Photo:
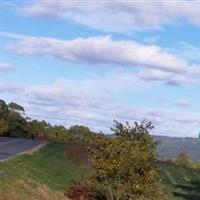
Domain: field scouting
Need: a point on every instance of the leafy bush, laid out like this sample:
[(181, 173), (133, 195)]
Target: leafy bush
[(124, 166), (82, 192), (182, 159)]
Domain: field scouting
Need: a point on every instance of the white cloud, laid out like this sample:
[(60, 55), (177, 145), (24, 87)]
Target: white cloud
[(182, 102), (119, 15), (190, 77), (157, 64), (101, 50), (110, 84), (12, 35), (65, 102), (9, 88), (101, 87), (156, 75), (6, 66)]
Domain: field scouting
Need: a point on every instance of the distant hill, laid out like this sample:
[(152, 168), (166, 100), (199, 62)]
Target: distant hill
[(172, 146)]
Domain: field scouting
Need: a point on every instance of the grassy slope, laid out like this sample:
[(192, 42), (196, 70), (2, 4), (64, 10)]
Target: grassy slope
[(47, 173), (183, 182), (44, 175)]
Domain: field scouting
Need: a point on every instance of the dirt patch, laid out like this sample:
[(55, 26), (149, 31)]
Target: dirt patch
[(8, 197), (27, 192), (45, 193), (77, 152)]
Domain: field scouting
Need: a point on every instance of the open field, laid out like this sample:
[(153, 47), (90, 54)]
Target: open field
[(47, 173)]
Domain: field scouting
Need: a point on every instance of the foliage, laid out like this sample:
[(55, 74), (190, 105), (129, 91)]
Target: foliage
[(80, 133), (182, 159), (15, 107), (124, 167), (4, 109), (49, 171), (36, 129), (80, 191), (13, 123), (183, 182), (3, 127)]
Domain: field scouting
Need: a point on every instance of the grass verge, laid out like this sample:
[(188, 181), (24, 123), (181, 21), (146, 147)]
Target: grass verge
[(182, 182), (44, 174)]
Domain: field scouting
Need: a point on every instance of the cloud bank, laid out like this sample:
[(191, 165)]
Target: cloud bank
[(57, 104), (153, 62), (119, 15)]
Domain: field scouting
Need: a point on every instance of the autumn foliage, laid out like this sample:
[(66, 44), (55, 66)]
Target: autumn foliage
[(124, 166), (82, 192)]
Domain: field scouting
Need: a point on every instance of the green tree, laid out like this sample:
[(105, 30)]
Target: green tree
[(3, 127), (12, 123), (37, 129), (15, 107), (124, 166), (79, 132), (4, 109), (16, 125), (57, 133)]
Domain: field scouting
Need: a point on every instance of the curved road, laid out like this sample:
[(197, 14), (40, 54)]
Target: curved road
[(10, 147)]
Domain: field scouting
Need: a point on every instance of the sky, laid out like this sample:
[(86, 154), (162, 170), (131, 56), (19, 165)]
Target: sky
[(92, 62)]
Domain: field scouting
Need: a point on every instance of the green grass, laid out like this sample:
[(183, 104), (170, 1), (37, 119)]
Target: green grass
[(182, 182), (48, 172), (49, 167)]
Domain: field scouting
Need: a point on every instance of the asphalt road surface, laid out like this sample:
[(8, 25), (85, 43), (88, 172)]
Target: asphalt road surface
[(10, 147)]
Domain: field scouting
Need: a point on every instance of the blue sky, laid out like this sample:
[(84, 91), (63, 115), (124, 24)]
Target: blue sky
[(90, 62)]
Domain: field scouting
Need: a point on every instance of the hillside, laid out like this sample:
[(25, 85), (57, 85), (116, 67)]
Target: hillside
[(47, 173), (183, 182), (171, 146), (42, 175)]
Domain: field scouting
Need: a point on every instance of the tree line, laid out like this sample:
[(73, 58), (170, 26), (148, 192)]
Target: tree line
[(14, 123)]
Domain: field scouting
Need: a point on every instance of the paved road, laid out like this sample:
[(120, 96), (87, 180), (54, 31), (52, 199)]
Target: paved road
[(13, 146)]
